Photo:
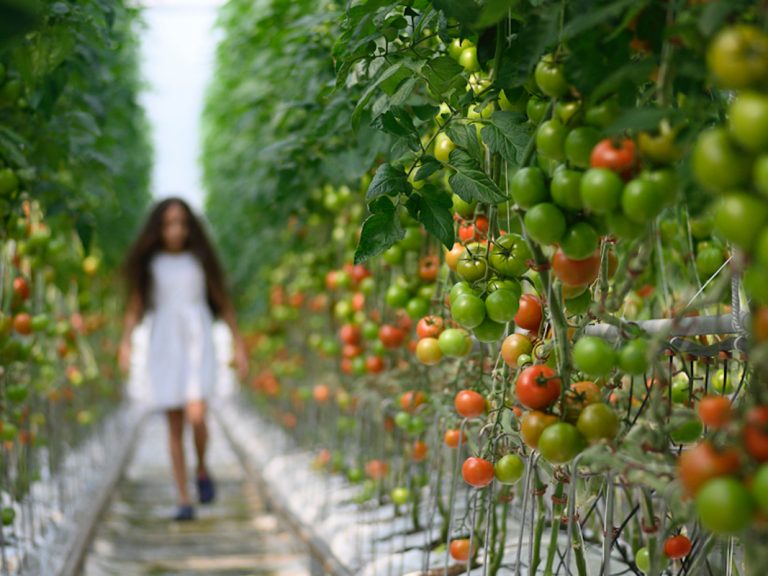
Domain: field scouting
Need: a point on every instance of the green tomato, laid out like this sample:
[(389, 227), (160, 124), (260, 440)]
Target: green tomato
[(621, 226), (417, 307), (550, 77), (536, 108), (528, 187), (579, 144), (568, 112), (501, 305), (667, 181), (760, 174), (760, 488), (461, 288), (633, 357), (709, 260), (510, 255), (740, 217), (642, 200), (509, 469), (7, 516), (515, 101), (397, 296), (687, 432), (580, 241), (565, 188), (400, 496), (718, 163), (748, 121), (579, 304), (443, 147), (455, 342), (603, 114), (413, 239), (560, 443), (468, 310), (720, 384), (598, 422), (601, 190), (402, 420), (468, 59), (457, 46), (489, 331), (545, 223), (738, 56), (725, 506), (643, 560), (8, 181), (394, 255), (550, 139), (471, 267), (594, 356), (462, 208)]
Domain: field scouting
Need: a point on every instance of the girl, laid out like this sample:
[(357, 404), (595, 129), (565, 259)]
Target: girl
[(172, 271)]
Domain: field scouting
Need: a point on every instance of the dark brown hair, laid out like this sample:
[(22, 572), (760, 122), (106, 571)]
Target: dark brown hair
[(150, 241)]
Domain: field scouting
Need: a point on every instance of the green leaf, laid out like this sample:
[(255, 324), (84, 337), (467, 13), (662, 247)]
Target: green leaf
[(465, 11), (465, 136), (530, 41), (444, 75), (432, 207), (494, 10), (429, 165), (389, 180), (373, 87), (470, 182), (508, 135), (590, 19), (380, 231), (395, 121)]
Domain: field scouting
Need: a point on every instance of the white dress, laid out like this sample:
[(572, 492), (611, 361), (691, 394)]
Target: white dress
[(181, 360)]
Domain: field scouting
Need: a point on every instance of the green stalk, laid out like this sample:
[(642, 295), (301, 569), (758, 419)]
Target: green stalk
[(557, 512), (541, 517), (499, 553)]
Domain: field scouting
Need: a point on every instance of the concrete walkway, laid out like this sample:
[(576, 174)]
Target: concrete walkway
[(236, 535)]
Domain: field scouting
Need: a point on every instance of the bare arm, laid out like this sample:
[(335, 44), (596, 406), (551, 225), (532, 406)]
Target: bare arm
[(133, 313), (241, 351)]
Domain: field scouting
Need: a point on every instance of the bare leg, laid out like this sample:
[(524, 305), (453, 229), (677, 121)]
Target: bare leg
[(176, 432), (196, 413)]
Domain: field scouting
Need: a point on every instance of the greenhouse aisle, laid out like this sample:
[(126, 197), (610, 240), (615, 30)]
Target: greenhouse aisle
[(236, 535)]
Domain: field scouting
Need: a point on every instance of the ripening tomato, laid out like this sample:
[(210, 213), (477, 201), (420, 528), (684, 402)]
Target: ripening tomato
[(22, 323), (411, 400), (477, 472), (598, 422), (453, 437), (21, 287), (738, 56), (469, 404), (702, 463), (460, 550), (561, 442), (677, 547), (452, 256), (529, 313), (538, 387), (419, 451), (374, 364), (513, 346), (578, 396), (350, 334), (428, 351), (376, 469), (576, 272), (714, 411), (618, 156)]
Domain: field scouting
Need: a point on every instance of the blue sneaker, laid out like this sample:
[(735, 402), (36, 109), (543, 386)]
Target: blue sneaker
[(206, 489), (185, 513)]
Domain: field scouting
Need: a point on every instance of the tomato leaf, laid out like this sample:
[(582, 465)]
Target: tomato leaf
[(434, 210), (443, 74), (529, 41), (388, 74), (494, 10), (642, 119), (389, 180), (465, 136), (470, 182), (429, 165), (380, 231), (589, 19), (507, 134)]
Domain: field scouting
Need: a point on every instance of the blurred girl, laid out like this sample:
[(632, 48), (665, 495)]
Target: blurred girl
[(172, 271)]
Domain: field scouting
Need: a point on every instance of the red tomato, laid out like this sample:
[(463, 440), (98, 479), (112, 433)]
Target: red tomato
[(702, 463), (756, 433), (374, 364), (469, 404), (529, 313), (538, 387), (350, 334), (376, 469), (429, 266), (460, 550), (429, 327), (715, 411), (411, 400), (419, 451), (452, 437), (477, 472), (22, 323), (677, 547), (21, 287), (359, 272), (391, 336), (618, 156), (576, 272), (351, 351)]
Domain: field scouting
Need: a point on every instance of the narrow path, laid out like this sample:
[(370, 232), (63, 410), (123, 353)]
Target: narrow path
[(235, 535)]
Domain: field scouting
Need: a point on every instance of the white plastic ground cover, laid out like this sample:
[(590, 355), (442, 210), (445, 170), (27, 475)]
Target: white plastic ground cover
[(367, 539), (50, 520)]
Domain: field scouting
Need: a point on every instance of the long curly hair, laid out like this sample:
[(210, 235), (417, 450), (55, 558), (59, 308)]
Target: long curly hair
[(136, 270)]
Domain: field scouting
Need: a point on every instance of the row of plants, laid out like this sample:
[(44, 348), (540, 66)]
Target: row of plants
[(74, 183), (458, 214)]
